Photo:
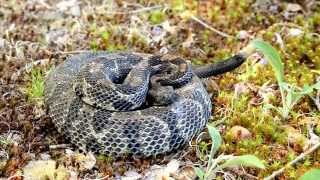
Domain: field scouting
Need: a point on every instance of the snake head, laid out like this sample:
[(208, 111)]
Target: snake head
[(162, 95), (177, 73)]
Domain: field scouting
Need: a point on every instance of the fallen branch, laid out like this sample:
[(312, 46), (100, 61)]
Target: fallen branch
[(297, 159), (144, 9), (243, 172), (316, 100), (59, 146), (72, 52), (17, 177), (211, 28), (29, 66)]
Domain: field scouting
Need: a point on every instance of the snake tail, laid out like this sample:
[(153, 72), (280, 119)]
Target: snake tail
[(219, 67)]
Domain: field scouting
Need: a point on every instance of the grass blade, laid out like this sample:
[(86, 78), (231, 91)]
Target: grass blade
[(216, 139), (199, 172), (313, 174), (245, 160), (272, 56)]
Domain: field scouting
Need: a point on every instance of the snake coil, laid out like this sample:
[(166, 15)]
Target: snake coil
[(130, 103)]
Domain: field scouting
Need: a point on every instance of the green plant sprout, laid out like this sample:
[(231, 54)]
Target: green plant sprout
[(35, 89), (290, 94), (217, 165)]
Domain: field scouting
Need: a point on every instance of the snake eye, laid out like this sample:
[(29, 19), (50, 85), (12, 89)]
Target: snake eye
[(158, 80), (77, 90)]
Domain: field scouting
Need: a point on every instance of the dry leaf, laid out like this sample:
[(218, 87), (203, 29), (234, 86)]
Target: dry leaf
[(189, 41), (291, 7), (240, 133), (43, 170)]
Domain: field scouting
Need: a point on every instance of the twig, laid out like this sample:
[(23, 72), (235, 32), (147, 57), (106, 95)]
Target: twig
[(4, 154), (292, 25), (17, 177), (29, 66), (243, 172), (316, 100), (287, 24), (71, 52), (46, 5), (314, 139), (297, 159), (198, 139), (59, 146), (211, 28), (248, 50), (144, 9)]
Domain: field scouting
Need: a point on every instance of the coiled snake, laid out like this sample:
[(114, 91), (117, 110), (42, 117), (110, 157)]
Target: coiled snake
[(130, 103)]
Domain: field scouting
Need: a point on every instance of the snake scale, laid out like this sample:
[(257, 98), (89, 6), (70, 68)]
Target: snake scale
[(125, 103)]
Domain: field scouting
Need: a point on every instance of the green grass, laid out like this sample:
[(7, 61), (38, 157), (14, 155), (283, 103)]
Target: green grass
[(290, 94), (35, 87), (215, 165)]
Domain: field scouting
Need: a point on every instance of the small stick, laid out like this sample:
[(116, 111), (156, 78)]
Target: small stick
[(211, 28), (248, 50), (297, 159), (244, 173), (72, 52), (316, 100), (36, 62), (59, 146), (144, 9)]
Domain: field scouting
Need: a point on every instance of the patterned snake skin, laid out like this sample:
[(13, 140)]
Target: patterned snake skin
[(130, 103)]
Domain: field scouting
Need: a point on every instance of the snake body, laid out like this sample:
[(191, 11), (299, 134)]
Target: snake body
[(129, 103)]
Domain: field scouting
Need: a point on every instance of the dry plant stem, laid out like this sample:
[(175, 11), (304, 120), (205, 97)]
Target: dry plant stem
[(16, 177), (29, 66), (248, 50), (59, 146), (317, 100), (297, 159), (144, 9), (242, 172), (72, 52), (287, 24), (210, 27), (313, 137)]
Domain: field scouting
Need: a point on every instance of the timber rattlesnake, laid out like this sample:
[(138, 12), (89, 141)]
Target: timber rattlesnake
[(130, 103)]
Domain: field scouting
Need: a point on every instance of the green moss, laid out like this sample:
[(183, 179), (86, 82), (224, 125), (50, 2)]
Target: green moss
[(204, 148), (157, 17), (94, 45), (275, 165), (105, 159), (105, 35), (116, 47), (240, 104), (178, 5), (197, 61), (250, 145)]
